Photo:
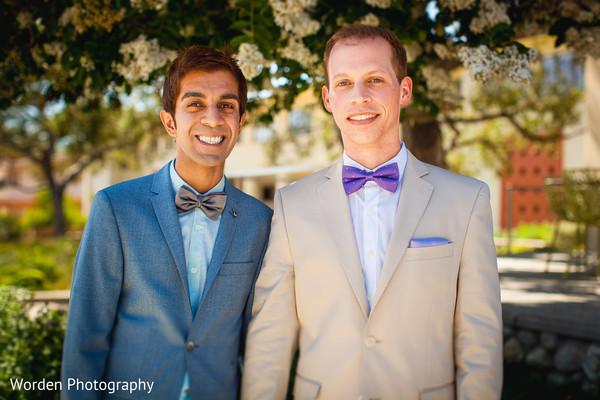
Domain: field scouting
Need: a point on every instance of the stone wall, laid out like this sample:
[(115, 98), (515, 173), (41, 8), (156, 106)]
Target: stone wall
[(562, 359)]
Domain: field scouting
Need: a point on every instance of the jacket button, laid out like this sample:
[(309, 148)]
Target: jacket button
[(190, 346), (370, 341)]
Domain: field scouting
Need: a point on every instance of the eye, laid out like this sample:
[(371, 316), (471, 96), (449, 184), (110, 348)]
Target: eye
[(376, 80), (342, 83), (194, 104)]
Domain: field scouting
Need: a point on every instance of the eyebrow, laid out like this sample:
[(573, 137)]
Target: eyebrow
[(225, 96)]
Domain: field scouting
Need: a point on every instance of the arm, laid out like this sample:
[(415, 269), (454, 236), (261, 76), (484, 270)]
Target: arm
[(273, 329), (478, 319), (95, 290)]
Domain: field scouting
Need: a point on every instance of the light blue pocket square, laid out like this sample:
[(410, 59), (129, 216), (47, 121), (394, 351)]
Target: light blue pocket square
[(428, 242)]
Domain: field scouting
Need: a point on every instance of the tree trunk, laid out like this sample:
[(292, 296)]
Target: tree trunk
[(60, 223), (423, 137), (57, 192)]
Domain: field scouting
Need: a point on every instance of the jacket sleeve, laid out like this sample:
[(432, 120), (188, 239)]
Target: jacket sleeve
[(273, 330), (95, 290), (478, 319)]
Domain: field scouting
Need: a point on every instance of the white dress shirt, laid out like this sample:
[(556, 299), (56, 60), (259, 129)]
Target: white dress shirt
[(373, 211)]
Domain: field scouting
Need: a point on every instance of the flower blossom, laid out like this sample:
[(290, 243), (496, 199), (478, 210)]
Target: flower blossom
[(291, 16), (297, 50), (491, 13), (250, 60), (379, 3), (584, 41), (141, 57), (369, 19), (457, 5), (485, 64)]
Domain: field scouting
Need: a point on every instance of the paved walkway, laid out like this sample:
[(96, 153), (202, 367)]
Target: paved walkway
[(535, 299)]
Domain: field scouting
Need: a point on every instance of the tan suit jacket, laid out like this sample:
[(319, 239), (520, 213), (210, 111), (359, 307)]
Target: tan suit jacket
[(435, 328)]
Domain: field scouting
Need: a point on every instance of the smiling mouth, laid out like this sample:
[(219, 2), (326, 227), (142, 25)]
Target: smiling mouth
[(362, 117), (211, 139)]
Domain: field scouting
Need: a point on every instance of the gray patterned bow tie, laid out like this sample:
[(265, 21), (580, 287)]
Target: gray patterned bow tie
[(212, 204)]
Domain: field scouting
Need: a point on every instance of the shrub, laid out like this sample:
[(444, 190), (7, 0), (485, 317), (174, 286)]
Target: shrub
[(40, 265), (42, 213), (30, 344), (10, 228)]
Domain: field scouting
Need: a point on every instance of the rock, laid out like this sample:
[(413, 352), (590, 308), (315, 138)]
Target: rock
[(539, 357), (591, 363), (527, 338), (569, 357), (549, 341), (513, 351), (557, 379)]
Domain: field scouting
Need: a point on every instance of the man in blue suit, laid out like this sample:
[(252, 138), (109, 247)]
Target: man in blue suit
[(163, 281)]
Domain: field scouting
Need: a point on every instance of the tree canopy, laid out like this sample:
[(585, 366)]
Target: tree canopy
[(83, 47)]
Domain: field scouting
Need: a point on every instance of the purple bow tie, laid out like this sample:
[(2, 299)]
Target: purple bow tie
[(386, 177)]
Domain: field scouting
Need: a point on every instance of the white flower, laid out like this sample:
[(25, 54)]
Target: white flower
[(442, 51), (304, 26), (379, 3), (55, 49), (250, 60), (148, 4), (25, 20), (369, 19), (413, 50), (490, 14), (585, 41), (291, 16), (296, 50), (485, 64), (457, 5), (141, 57)]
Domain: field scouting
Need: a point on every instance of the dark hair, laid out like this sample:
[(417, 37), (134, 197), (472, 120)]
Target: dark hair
[(351, 33), (201, 58)]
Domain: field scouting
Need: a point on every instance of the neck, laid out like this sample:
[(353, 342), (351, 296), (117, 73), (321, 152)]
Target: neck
[(372, 158), (201, 178)]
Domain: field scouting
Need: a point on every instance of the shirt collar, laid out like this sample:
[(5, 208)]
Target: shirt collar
[(177, 181), (400, 158)]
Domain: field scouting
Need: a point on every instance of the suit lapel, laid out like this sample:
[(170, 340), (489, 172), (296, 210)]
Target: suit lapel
[(163, 202), (336, 211), (413, 201), (224, 237)]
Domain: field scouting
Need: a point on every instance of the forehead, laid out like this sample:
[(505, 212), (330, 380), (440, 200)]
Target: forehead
[(354, 53), (213, 83)]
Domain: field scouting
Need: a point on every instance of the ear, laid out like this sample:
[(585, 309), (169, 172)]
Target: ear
[(325, 95), (169, 123), (242, 120), (405, 90)]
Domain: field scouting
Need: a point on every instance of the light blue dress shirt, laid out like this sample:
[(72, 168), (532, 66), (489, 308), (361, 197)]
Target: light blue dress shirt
[(373, 211), (199, 233)]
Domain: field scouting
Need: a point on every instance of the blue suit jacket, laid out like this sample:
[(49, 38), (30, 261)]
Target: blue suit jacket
[(130, 317)]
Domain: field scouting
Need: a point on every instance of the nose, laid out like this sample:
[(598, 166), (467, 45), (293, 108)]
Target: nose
[(360, 94), (212, 117)]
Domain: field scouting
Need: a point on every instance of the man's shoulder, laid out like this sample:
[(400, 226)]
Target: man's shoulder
[(437, 175), (129, 187), (311, 181)]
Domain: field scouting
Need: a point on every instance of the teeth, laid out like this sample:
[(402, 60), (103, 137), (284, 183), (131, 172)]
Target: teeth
[(362, 117), (211, 139)]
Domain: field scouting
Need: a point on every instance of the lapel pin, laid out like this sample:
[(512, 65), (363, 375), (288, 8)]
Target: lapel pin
[(235, 214)]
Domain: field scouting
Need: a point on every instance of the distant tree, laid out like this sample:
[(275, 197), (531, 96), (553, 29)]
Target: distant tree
[(91, 46), (64, 139)]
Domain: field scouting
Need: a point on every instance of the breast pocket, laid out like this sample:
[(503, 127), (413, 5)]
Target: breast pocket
[(429, 253), (231, 287)]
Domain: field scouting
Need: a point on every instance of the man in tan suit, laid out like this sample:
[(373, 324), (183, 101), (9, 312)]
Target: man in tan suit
[(388, 290)]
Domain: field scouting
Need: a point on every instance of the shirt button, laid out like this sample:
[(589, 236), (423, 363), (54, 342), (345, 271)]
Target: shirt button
[(370, 341), (198, 227), (194, 270), (370, 210), (190, 346), (370, 297), (371, 253)]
